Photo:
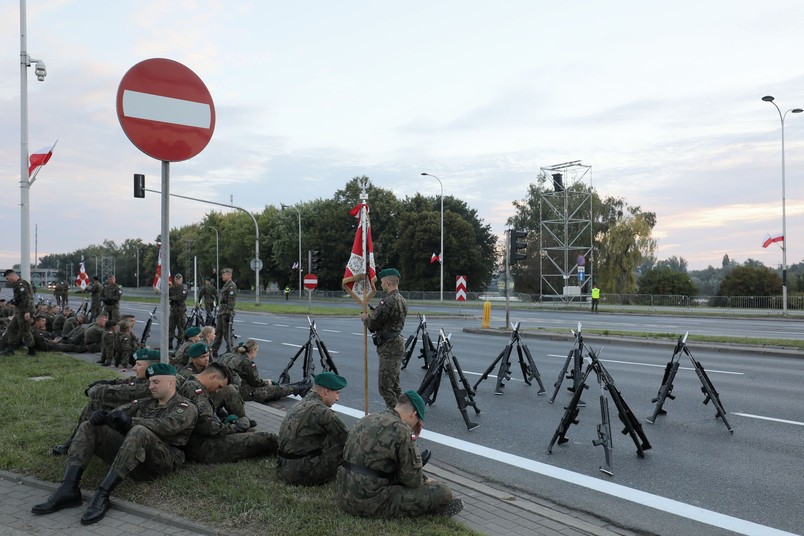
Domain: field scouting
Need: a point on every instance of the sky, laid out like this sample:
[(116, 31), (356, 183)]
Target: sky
[(662, 100)]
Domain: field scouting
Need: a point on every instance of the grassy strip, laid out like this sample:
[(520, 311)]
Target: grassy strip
[(748, 341), (240, 498)]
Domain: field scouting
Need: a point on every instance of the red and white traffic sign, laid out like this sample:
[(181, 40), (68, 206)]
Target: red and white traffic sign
[(165, 110), (310, 281), (460, 288)]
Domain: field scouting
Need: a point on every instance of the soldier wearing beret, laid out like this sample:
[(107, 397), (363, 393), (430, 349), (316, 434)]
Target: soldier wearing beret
[(18, 332), (215, 440), (93, 335), (192, 335), (312, 436), (143, 439), (198, 356), (226, 310), (386, 323), (381, 474), (227, 399), (110, 296), (178, 310)]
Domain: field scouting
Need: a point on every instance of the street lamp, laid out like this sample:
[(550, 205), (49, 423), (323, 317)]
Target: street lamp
[(217, 259), (25, 184), (782, 116), (300, 264), (441, 253)]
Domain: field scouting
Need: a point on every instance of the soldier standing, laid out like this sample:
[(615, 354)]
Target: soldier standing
[(143, 439), (207, 296), (110, 296), (57, 294), (381, 474), (19, 328), (178, 310), (386, 322), (312, 436), (95, 290), (226, 311)]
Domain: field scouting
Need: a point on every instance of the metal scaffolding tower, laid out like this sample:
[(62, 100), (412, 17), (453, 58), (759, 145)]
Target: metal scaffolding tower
[(565, 232), (107, 268)]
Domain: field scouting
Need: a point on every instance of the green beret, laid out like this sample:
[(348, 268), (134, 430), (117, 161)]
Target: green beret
[(388, 271), (417, 402), (192, 331), (197, 350), (155, 354), (144, 354), (330, 380), (160, 369)]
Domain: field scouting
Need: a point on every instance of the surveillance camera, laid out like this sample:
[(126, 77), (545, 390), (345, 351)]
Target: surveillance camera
[(41, 71)]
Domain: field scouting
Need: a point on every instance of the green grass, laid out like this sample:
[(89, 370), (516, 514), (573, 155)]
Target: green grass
[(239, 498)]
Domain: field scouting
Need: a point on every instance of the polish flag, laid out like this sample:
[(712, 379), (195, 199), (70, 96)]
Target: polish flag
[(361, 260), (295, 266), (39, 158), (435, 258), (771, 239), (158, 277), (83, 279)]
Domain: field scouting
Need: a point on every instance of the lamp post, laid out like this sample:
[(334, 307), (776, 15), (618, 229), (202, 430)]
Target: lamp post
[(300, 260), (217, 258), (25, 183), (441, 253), (782, 116)]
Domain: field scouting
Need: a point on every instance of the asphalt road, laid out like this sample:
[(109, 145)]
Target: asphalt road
[(750, 481)]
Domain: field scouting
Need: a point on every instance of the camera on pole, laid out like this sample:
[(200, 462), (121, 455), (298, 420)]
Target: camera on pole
[(515, 246)]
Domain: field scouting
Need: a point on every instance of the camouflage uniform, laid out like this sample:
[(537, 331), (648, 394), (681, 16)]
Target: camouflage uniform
[(311, 441), (181, 357), (207, 295), (125, 345), (386, 323), (43, 344), (252, 387), (93, 338), (228, 397), (178, 312), (110, 295), (58, 323), (225, 318), (153, 445), (382, 471), (108, 346), (215, 442), (19, 330), (69, 325), (95, 290)]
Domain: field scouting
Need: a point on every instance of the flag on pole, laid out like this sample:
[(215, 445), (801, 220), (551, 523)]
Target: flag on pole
[(83, 279), (435, 258), (158, 276), (355, 282), (771, 239), (295, 266), (39, 158)]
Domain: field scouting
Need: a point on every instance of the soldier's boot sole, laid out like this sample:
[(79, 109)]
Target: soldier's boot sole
[(454, 507)]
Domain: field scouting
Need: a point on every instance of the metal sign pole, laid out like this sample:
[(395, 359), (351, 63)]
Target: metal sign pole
[(164, 289)]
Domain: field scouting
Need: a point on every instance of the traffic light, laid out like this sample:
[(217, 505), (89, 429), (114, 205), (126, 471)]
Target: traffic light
[(315, 259), (514, 246), (139, 185)]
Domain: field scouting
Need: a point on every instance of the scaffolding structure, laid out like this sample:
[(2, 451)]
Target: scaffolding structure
[(107, 268), (566, 232)]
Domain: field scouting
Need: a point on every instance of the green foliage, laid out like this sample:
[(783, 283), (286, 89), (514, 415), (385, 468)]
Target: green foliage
[(666, 281), (751, 280)]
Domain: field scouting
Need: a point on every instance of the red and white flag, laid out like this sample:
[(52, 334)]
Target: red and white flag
[(295, 266), (83, 279), (355, 282), (771, 239), (158, 277), (435, 258), (39, 158)]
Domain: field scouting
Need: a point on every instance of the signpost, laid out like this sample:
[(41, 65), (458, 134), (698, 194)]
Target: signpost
[(460, 288), (310, 283), (167, 112)]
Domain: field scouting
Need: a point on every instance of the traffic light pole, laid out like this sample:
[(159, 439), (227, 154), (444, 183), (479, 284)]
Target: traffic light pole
[(507, 279)]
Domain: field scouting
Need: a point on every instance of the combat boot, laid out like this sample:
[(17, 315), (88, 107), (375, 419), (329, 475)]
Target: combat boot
[(100, 502), (301, 388), (31, 350), (451, 508), (64, 448), (68, 494)]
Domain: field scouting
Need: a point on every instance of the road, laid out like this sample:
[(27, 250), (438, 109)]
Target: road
[(697, 477)]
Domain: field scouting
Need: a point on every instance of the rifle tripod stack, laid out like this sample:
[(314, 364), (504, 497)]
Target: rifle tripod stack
[(427, 351), (574, 357), (146, 331), (446, 361), (529, 370), (308, 367), (707, 388), (632, 427)]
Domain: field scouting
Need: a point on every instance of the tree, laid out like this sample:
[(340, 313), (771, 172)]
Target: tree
[(751, 281), (666, 281), (677, 264)]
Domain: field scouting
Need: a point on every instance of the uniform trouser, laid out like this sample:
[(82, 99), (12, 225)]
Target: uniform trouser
[(94, 310), (177, 323), (208, 306), (19, 331), (264, 393), (232, 447), (388, 501), (112, 311), (140, 453), (311, 470), (223, 332), (390, 353)]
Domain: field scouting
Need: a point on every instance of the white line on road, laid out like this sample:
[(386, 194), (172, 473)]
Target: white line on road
[(282, 325), (291, 344), (261, 340), (331, 330), (696, 513), (653, 365), (785, 421), (261, 323)]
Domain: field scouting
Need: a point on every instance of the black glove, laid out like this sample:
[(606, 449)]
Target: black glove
[(99, 417), (120, 421), (241, 425)]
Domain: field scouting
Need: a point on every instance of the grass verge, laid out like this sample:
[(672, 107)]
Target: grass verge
[(42, 396)]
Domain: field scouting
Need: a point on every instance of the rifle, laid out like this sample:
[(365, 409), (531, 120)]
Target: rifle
[(604, 438), (194, 319), (82, 309), (146, 332), (666, 389)]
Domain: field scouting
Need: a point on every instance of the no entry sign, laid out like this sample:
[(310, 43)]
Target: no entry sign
[(165, 110), (310, 281)]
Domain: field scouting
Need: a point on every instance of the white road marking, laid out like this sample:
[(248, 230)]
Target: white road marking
[(282, 325), (785, 421), (261, 340), (657, 366), (331, 330), (291, 344), (261, 323), (696, 513)]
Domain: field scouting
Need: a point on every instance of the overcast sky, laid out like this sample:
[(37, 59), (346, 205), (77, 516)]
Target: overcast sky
[(661, 99)]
